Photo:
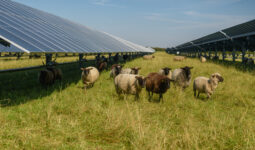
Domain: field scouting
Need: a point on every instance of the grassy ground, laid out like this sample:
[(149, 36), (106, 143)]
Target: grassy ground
[(64, 117)]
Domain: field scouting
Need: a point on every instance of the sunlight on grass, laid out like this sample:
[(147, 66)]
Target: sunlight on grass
[(69, 118)]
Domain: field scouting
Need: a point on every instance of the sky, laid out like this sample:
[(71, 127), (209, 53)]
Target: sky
[(156, 23)]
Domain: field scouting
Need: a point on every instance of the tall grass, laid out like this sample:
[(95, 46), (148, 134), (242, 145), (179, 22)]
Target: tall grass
[(65, 117)]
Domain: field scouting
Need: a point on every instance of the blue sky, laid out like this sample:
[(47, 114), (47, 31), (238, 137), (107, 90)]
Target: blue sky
[(163, 23)]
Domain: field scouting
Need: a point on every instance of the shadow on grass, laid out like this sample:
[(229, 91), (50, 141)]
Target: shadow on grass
[(20, 87), (237, 65)]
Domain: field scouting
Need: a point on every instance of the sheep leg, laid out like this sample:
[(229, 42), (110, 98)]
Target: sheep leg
[(198, 94), (195, 93), (149, 94), (160, 97)]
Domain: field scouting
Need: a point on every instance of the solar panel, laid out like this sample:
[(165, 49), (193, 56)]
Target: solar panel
[(32, 30), (241, 30)]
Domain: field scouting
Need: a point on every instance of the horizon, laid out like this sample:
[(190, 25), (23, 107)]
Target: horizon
[(152, 23)]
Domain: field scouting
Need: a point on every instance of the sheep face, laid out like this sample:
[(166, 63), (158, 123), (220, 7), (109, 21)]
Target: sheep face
[(187, 71), (141, 81), (117, 69), (218, 77), (86, 71), (135, 70), (166, 70), (165, 83)]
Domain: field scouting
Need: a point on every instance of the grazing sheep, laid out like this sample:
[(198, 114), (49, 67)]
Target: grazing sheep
[(116, 69), (166, 71), (129, 84), (56, 72), (102, 65), (134, 70), (179, 58), (89, 76), (202, 59), (157, 83), (182, 77), (206, 85), (46, 77), (148, 57)]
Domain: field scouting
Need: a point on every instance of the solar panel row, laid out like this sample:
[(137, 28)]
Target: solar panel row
[(32, 30), (241, 30)]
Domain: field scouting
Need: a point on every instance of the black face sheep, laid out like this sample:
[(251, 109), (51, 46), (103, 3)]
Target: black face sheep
[(102, 65), (156, 83), (129, 84), (166, 71), (133, 70), (182, 77), (89, 76), (46, 77), (206, 85), (116, 69)]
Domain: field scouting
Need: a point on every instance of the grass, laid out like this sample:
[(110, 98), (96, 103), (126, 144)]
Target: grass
[(65, 117)]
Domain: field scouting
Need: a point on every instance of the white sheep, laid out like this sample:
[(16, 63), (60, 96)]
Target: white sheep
[(166, 71), (89, 76), (134, 70), (202, 59), (129, 84), (206, 85)]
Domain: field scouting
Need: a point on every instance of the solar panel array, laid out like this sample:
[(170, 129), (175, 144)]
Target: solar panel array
[(241, 30), (32, 30)]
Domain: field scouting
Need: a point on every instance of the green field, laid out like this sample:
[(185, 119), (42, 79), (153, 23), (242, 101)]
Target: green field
[(65, 117)]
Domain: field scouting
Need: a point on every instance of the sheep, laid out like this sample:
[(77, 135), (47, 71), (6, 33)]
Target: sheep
[(49, 75), (46, 77), (116, 69), (207, 85), (179, 58), (202, 59), (166, 71), (248, 61), (129, 84), (89, 76), (58, 75), (134, 70), (101, 65), (182, 77), (148, 57), (157, 83)]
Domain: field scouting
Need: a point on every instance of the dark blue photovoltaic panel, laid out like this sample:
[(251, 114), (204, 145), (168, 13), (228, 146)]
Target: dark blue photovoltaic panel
[(241, 30), (32, 30)]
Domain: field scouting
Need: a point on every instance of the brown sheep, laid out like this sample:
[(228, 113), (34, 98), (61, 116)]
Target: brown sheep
[(46, 77), (156, 83), (56, 72), (102, 65)]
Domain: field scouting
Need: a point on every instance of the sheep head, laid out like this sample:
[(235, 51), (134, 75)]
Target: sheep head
[(187, 71), (86, 70), (135, 70), (166, 70), (141, 81), (217, 76)]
